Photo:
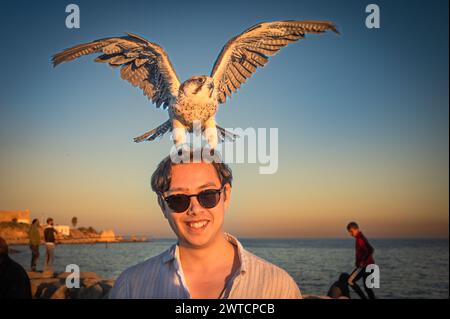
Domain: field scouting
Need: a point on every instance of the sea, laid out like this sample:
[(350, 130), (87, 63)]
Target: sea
[(408, 268)]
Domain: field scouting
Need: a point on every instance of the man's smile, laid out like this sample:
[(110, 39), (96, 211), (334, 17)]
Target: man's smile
[(197, 225)]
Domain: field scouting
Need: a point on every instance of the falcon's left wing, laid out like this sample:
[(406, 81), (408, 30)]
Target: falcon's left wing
[(243, 54)]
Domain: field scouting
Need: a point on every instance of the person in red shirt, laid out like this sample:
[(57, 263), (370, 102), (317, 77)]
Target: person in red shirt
[(364, 258)]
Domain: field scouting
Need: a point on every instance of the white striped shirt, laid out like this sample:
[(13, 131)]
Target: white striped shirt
[(162, 277)]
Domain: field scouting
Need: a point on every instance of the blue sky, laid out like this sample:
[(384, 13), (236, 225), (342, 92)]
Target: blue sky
[(362, 117)]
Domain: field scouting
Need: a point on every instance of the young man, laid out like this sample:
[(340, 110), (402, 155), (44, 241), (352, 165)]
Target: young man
[(50, 242), (206, 262), (364, 257), (35, 241)]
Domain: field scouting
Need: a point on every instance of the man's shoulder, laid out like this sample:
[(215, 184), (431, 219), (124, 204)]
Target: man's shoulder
[(271, 277), (362, 236), (134, 282)]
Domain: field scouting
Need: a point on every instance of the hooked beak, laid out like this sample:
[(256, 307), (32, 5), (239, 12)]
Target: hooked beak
[(211, 88)]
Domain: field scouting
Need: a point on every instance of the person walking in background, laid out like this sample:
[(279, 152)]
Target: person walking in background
[(50, 241), (14, 281), (35, 241), (364, 258)]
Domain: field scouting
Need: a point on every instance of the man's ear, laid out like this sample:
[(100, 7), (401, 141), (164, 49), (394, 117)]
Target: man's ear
[(162, 205), (227, 195)]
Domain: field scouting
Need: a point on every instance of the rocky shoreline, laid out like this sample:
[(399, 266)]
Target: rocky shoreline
[(17, 234), (49, 285)]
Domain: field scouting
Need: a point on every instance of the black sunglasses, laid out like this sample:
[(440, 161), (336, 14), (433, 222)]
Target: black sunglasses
[(179, 203)]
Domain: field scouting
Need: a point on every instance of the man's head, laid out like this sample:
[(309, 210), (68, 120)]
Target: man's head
[(50, 221), (35, 222), (202, 220), (353, 229)]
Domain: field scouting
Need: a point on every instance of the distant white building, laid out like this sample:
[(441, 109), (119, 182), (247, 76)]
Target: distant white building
[(108, 235), (63, 229)]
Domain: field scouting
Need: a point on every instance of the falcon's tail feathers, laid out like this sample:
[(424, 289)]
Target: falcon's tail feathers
[(158, 131), (226, 135)]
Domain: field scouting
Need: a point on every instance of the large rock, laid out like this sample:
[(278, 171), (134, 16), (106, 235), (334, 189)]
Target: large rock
[(60, 293), (90, 275), (38, 285), (106, 286), (89, 282), (40, 274), (92, 286), (46, 290), (94, 292), (83, 275)]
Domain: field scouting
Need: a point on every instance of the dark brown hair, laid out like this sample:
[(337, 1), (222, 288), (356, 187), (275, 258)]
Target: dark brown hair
[(352, 225), (162, 176)]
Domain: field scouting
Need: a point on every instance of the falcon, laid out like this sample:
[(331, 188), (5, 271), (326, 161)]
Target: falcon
[(196, 100)]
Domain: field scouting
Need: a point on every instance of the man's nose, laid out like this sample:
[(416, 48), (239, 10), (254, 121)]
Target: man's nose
[(194, 207)]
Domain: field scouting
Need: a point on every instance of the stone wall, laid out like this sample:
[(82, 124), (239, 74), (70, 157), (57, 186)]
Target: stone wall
[(21, 216)]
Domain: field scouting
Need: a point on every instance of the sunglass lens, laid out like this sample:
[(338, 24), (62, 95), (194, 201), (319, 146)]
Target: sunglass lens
[(209, 198), (178, 203)]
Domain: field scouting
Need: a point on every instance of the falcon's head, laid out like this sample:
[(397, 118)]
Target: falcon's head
[(199, 88)]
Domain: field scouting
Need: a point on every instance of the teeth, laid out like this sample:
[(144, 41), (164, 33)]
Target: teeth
[(198, 224)]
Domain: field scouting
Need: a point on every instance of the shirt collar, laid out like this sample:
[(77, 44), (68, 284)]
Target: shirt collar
[(242, 253), (169, 254), (173, 253)]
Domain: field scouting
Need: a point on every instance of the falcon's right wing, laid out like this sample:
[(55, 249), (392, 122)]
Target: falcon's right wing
[(144, 64)]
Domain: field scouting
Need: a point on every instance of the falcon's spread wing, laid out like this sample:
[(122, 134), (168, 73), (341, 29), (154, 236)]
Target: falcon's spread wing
[(144, 64), (241, 56)]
